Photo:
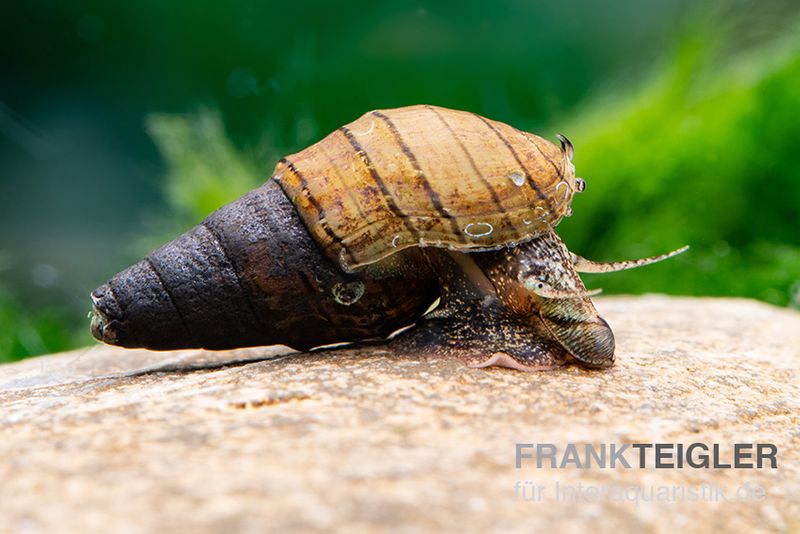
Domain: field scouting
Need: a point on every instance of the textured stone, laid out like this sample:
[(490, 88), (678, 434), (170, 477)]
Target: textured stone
[(108, 439)]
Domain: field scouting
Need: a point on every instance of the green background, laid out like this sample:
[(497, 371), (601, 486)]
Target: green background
[(123, 124)]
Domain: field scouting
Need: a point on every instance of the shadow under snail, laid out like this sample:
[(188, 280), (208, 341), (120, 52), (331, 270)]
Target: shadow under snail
[(359, 234)]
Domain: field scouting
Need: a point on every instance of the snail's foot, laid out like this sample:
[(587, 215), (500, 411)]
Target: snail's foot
[(481, 338)]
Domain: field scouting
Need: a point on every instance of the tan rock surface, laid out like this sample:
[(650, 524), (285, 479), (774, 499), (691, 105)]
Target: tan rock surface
[(130, 441)]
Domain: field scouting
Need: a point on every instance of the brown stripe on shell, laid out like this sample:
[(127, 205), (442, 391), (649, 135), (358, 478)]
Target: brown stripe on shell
[(426, 185), (528, 177), (496, 199), (559, 170), (359, 150), (322, 222), (348, 190)]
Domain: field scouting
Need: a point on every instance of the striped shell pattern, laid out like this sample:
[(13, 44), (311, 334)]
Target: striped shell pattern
[(426, 176)]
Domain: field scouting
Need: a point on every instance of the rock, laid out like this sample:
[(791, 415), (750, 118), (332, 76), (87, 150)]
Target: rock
[(360, 439)]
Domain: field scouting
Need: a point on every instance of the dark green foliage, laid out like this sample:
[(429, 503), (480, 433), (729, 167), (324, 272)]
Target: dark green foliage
[(705, 154), (27, 332)]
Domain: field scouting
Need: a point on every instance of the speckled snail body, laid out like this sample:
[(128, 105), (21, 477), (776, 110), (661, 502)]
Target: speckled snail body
[(358, 234)]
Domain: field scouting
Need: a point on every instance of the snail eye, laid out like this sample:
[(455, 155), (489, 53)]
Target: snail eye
[(535, 283), (580, 184)]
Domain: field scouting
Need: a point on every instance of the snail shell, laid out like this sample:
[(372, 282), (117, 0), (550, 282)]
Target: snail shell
[(426, 176)]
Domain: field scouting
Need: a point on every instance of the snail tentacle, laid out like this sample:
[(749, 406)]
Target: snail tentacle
[(583, 265)]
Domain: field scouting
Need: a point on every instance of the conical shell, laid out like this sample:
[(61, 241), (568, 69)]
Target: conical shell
[(426, 176)]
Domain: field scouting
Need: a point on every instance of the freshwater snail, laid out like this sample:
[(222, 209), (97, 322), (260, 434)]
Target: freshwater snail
[(357, 235)]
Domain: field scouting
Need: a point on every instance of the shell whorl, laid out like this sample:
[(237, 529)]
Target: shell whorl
[(425, 176)]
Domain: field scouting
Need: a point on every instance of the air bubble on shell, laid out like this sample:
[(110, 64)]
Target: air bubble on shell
[(347, 293), (526, 221), (518, 178), (395, 239), (479, 229), (541, 216), (344, 262), (369, 131)]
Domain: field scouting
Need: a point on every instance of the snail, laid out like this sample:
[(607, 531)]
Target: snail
[(358, 235)]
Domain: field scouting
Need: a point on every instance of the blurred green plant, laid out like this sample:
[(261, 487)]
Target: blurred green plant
[(204, 169), (28, 329), (704, 153), (25, 332)]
